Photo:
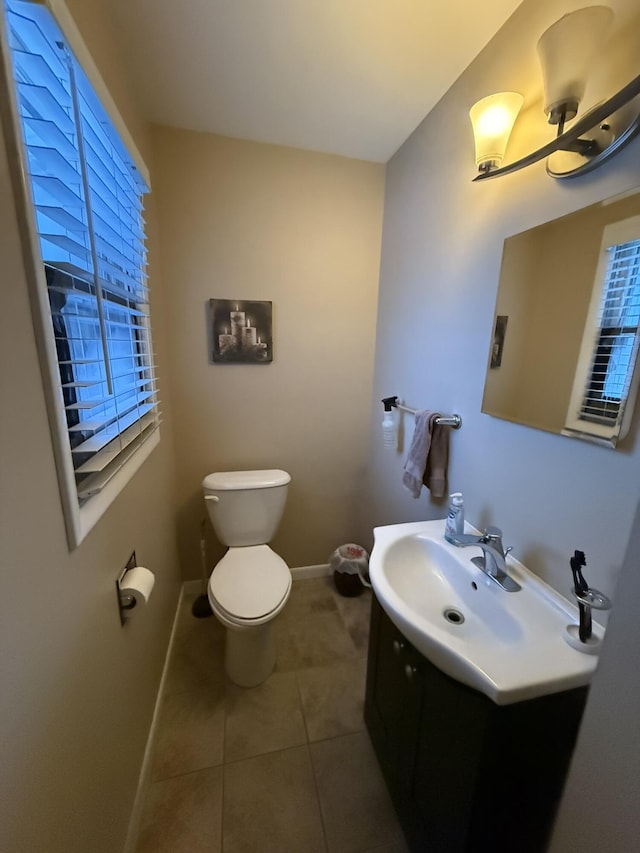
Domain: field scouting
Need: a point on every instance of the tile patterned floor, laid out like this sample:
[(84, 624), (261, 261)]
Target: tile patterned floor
[(286, 767)]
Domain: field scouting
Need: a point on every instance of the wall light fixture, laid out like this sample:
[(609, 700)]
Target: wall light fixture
[(567, 51)]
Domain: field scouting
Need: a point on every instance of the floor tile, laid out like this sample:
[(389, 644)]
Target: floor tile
[(185, 615), (190, 731), (183, 815), (356, 808), (197, 657), (317, 640), (356, 614), (264, 718), (270, 805), (333, 698), (269, 802), (308, 597), (395, 847)]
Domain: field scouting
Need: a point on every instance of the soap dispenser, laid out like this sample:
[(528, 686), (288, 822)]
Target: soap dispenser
[(454, 526)]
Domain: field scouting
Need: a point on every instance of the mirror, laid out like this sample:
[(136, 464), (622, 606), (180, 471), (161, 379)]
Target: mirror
[(566, 326)]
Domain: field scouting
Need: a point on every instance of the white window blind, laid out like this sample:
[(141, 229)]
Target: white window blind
[(606, 378), (88, 201), (617, 339)]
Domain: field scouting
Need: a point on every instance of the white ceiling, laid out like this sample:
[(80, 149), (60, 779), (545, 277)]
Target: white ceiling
[(350, 77)]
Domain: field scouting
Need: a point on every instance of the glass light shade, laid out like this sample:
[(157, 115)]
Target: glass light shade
[(493, 118), (567, 50)]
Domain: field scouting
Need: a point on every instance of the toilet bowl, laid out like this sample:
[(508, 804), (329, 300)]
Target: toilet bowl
[(247, 589), (250, 585)]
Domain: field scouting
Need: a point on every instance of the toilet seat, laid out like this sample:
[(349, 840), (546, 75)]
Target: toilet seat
[(249, 585)]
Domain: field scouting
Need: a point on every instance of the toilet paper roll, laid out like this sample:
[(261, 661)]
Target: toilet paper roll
[(138, 583)]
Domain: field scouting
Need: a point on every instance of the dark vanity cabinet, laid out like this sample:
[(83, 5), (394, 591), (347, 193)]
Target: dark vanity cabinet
[(464, 773)]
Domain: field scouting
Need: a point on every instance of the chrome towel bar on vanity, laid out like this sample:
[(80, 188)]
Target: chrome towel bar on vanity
[(453, 421)]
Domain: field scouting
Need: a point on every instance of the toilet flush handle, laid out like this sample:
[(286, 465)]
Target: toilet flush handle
[(213, 498)]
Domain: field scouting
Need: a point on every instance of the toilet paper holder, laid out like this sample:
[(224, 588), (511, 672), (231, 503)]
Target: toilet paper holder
[(126, 601)]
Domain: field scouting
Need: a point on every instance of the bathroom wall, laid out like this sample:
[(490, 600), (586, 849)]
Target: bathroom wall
[(78, 690), (261, 222), (599, 811), (440, 265), (442, 243)]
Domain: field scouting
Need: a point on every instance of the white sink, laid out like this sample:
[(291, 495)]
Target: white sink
[(508, 645)]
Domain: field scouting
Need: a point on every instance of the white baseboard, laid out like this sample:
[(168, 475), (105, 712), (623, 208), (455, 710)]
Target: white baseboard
[(145, 771), (298, 573), (302, 572)]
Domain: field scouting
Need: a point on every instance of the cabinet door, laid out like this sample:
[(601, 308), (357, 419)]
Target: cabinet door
[(452, 734), (465, 775), (397, 698)]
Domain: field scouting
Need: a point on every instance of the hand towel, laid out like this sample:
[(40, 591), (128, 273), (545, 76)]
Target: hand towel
[(428, 456), (435, 472)]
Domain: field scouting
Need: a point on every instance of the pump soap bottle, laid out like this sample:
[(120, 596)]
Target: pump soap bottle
[(455, 519)]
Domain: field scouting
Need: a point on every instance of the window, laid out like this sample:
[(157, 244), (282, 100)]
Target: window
[(604, 379), (87, 209), (616, 343)]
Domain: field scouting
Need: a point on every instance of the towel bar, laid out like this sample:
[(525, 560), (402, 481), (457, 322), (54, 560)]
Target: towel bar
[(453, 421)]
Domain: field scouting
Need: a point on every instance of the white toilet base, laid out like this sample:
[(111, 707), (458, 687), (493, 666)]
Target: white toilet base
[(250, 654)]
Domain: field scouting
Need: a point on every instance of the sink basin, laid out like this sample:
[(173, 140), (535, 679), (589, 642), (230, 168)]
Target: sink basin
[(508, 645)]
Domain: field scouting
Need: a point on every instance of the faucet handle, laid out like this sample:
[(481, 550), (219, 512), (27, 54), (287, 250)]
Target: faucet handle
[(493, 536)]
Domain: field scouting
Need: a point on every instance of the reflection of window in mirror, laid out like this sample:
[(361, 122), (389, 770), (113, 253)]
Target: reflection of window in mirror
[(604, 382)]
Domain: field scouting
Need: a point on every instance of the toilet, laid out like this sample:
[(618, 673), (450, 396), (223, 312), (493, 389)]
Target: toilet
[(250, 585)]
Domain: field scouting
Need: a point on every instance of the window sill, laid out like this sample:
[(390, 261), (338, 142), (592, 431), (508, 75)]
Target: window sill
[(82, 519)]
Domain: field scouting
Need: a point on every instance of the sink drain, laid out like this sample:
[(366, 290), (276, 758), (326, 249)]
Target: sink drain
[(454, 616)]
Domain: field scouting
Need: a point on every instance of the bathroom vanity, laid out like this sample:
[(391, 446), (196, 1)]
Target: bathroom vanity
[(464, 773)]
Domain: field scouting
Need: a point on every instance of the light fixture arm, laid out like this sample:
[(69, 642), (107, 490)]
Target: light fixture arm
[(569, 140)]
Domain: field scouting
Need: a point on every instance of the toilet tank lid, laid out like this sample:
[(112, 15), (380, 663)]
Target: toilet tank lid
[(236, 480)]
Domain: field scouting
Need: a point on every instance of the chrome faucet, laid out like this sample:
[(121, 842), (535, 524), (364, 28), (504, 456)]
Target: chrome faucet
[(492, 562)]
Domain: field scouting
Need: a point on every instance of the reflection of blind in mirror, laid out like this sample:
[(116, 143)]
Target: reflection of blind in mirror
[(617, 335)]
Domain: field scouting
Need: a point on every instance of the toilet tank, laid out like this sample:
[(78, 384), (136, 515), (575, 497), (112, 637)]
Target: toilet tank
[(245, 507)]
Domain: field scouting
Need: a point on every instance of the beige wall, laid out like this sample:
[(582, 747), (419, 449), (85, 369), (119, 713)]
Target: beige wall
[(503, 384), (562, 283), (441, 249), (78, 690), (251, 221)]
